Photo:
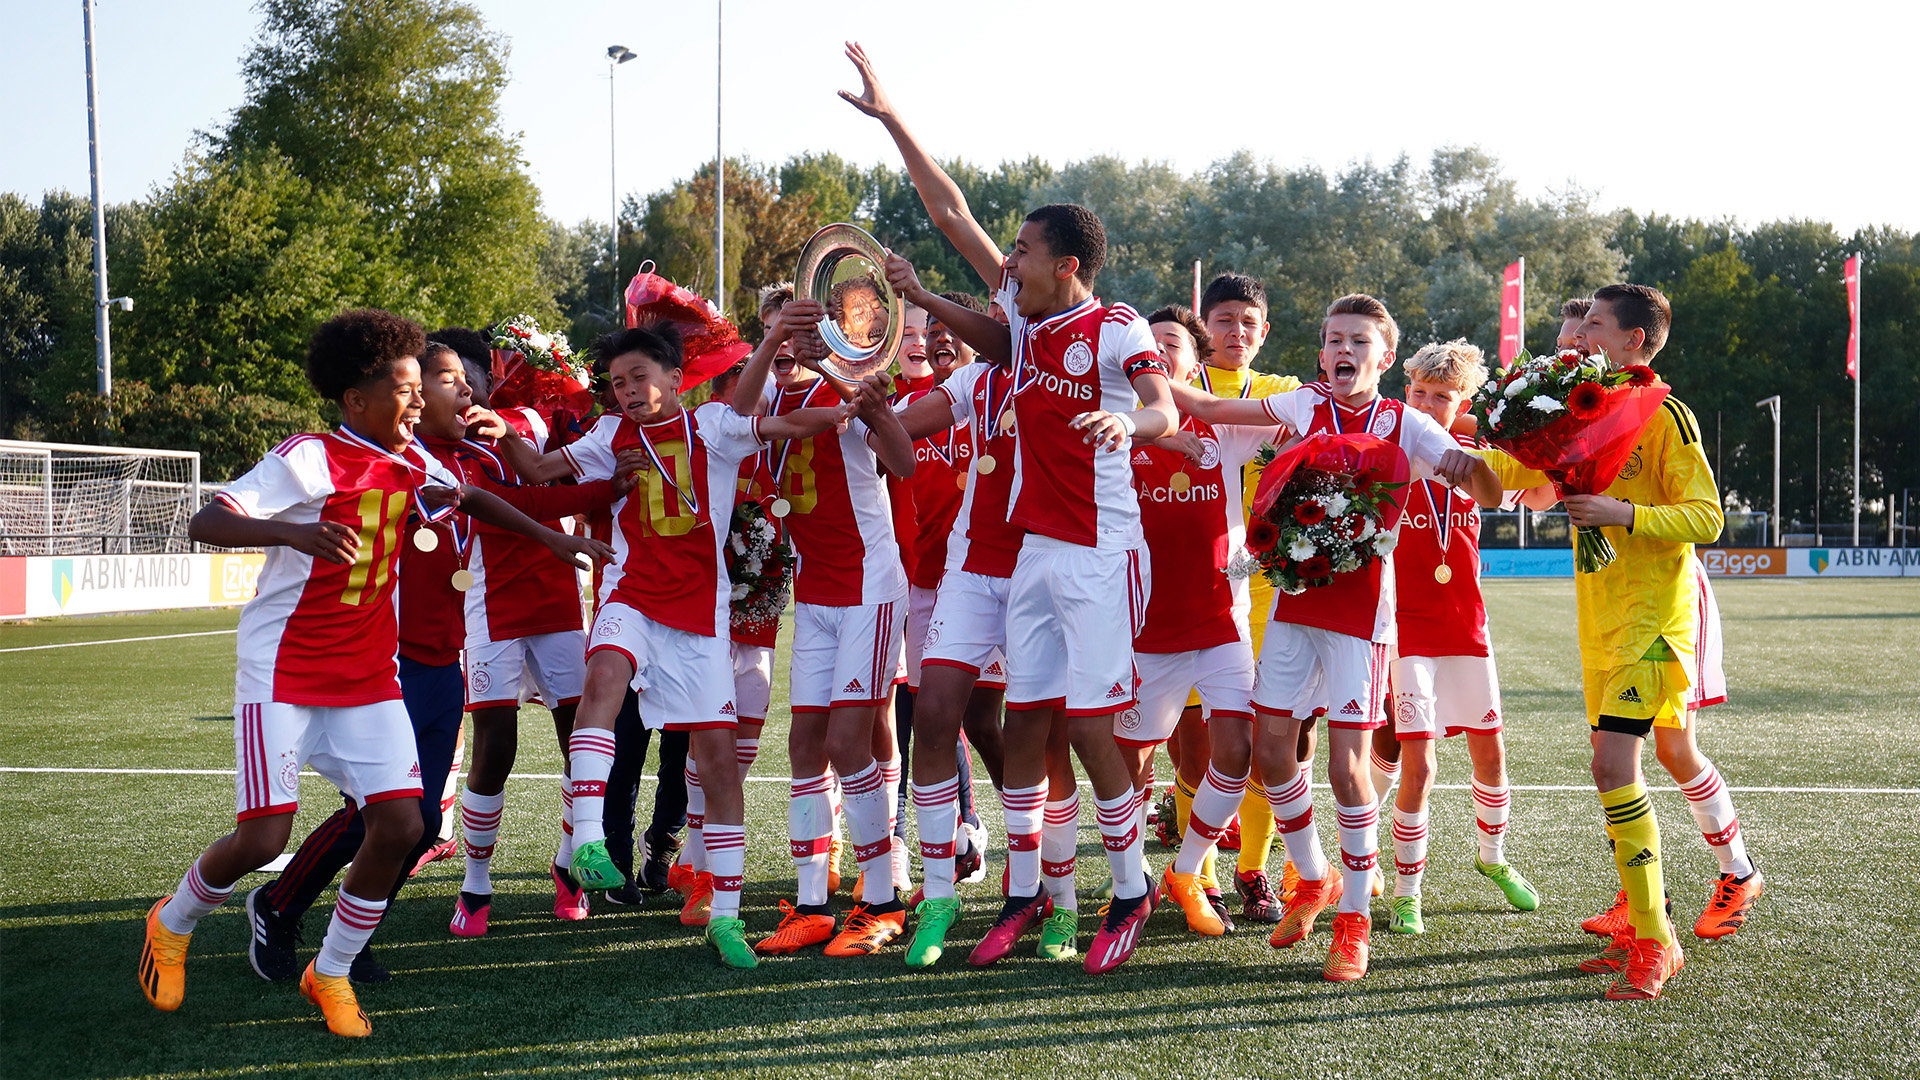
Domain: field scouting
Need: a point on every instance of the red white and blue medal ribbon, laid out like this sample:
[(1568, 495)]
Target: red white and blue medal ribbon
[(1442, 506), (781, 507), (686, 422)]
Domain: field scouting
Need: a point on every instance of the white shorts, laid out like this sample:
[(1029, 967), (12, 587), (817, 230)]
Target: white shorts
[(1306, 671), (1072, 613), (967, 628), (685, 681), (1222, 674), (844, 656), (752, 680), (368, 751), (1709, 677), (919, 615), (550, 668), (1444, 695)]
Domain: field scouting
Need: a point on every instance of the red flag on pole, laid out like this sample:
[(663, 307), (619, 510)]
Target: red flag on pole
[(1852, 279), (1513, 306)]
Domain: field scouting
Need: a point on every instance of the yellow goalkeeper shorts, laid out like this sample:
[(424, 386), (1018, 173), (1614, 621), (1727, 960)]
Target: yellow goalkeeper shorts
[(1653, 689)]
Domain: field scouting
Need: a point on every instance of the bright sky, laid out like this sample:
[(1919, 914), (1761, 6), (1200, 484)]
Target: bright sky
[(1758, 110)]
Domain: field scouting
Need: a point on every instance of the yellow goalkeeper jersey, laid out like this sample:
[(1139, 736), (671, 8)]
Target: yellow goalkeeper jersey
[(1649, 590), (1248, 383)]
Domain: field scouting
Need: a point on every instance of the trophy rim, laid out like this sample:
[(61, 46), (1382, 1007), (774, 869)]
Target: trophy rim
[(823, 250)]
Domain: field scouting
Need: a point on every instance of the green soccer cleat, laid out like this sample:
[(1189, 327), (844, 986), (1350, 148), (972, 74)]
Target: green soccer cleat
[(936, 916), (729, 938), (593, 868), (1105, 891), (1520, 892), (1060, 935), (1404, 915)]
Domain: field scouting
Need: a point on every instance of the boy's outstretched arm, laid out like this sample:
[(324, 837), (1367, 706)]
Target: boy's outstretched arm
[(991, 339), (222, 526), (793, 317)]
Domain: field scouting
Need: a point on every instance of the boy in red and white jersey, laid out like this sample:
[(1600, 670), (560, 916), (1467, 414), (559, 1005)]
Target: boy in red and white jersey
[(850, 596), (1325, 652), (317, 680), (1443, 678), (1196, 635), (664, 602)]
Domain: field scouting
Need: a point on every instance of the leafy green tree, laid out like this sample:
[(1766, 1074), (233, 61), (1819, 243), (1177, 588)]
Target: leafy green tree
[(229, 428)]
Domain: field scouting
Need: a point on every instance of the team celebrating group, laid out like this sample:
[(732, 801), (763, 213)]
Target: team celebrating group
[(1026, 549)]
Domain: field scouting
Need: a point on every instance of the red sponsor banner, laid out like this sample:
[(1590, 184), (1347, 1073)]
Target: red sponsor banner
[(1513, 306), (13, 587), (1852, 278), (1744, 562)]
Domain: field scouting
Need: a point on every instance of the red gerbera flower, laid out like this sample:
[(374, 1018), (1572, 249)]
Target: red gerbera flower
[(1262, 535), (1317, 567), (1309, 513), (1639, 375), (1586, 401)]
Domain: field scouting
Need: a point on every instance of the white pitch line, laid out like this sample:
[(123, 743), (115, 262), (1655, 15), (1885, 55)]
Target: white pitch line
[(1586, 788), (117, 641)]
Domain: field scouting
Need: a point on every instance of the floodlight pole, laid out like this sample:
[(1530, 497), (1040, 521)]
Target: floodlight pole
[(102, 339), (1859, 304), (719, 160), (1772, 405), (616, 55)]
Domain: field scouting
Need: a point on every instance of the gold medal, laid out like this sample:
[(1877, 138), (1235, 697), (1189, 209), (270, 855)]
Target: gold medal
[(1443, 573), (1006, 421), (463, 580), (425, 539), (985, 464), (960, 481), (1180, 482), (781, 508)]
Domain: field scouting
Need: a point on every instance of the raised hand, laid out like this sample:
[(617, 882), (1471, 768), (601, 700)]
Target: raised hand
[(483, 422), (795, 317), (873, 98), (570, 548), (902, 278)]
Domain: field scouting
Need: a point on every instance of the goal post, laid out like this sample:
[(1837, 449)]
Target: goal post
[(75, 499)]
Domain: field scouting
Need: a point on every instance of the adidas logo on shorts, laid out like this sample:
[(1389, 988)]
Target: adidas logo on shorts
[(853, 687), (1116, 693), (1351, 708), (1631, 695), (1492, 717), (727, 709), (994, 671)]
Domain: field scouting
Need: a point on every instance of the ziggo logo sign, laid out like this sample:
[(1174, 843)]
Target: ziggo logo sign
[(1744, 562)]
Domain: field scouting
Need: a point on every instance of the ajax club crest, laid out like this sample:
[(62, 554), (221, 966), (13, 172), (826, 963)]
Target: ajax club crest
[(1079, 359)]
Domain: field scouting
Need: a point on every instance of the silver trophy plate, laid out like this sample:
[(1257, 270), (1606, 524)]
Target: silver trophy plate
[(843, 269)]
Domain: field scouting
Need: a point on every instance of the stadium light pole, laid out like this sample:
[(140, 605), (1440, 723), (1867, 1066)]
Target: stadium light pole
[(616, 55), (102, 338), (1772, 405), (719, 159)]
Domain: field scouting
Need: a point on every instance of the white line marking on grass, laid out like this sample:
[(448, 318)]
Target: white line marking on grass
[(117, 641), (1585, 788)]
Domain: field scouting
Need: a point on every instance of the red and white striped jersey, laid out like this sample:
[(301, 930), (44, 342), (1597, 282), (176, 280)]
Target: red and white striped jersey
[(1068, 363), (839, 512), (669, 528), (1191, 530), (982, 540), (1438, 618), (1360, 603), (317, 632), (941, 463)]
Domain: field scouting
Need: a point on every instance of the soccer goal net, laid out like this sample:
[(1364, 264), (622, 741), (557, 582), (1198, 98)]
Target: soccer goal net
[(68, 499)]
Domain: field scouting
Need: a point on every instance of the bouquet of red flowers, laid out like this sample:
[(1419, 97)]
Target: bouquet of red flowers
[(712, 341), (760, 564), (1575, 418), (1323, 508), (537, 369)]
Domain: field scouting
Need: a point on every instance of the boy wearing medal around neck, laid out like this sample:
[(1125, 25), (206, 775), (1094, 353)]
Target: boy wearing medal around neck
[(662, 621), (1443, 678), (1325, 654), (316, 681), (849, 593), (1195, 637)]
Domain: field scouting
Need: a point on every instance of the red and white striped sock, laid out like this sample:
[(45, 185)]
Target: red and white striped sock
[(1022, 807), (1120, 833), (1491, 806), (1359, 854), (1214, 801), (563, 853), (695, 852), (192, 901), (347, 932), (1409, 851), (480, 823), (726, 847), (867, 816), (746, 752), (890, 784), (1292, 804), (1712, 807), (936, 813), (1385, 775), (810, 835), (1059, 842), (590, 756)]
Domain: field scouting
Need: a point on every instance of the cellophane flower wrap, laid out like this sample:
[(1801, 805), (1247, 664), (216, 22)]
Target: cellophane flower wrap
[(538, 369), (1574, 418), (712, 342), (1325, 507), (760, 565)]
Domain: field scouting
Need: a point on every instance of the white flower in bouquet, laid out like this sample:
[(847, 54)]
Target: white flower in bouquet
[(540, 341), (1494, 414), (1337, 504), (1384, 544), (1518, 386), (740, 592), (1241, 565), (1545, 404), (737, 543), (763, 531), (1302, 549), (1367, 529), (753, 566)]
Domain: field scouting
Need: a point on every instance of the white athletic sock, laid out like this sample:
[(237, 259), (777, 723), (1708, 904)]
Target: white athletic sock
[(1409, 851), (726, 847), (1385, 775), (746, 752), (192, 901), (1120, 833), (1215, 802), (563, 852), (1142, 805), (694, 854), (480, 821), (1292, 804), (1022, 807), (590, 753), (1712, 807), (1059, 842), (810, 833), (936, 812), (1491, 806), (347, 933), (1359, 854), (867, 814)]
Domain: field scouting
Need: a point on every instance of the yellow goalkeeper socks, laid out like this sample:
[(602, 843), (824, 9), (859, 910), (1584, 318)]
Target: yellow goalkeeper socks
[(1636, 852), (1256, 830)]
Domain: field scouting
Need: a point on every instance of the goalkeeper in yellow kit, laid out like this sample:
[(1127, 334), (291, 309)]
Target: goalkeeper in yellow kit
[(1639, 619)]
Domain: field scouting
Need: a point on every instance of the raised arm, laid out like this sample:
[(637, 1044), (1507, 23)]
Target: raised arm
[(222, 526), (991, 339), (485, 506), (749, 391), (890, 441), (1154, 418), (938, 193), (1201, 405)]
